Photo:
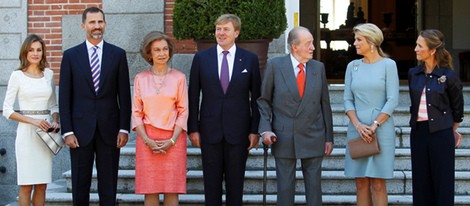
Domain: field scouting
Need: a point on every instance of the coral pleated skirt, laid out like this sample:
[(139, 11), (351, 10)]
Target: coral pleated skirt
[(160, 173)]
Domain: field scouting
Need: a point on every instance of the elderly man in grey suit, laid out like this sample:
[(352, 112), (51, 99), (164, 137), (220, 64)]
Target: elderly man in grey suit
[(295, 107)]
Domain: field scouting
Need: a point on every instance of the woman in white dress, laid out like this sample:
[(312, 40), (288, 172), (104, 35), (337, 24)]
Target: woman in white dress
[(33, 85)]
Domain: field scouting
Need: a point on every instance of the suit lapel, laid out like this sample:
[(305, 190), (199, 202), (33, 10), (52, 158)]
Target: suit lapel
[(84, 64), (106, 60), (238, 66), (289, 78), (310, 78), (213, 67)]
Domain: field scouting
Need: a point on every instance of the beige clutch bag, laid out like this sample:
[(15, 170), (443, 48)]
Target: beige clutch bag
[(358, 148)]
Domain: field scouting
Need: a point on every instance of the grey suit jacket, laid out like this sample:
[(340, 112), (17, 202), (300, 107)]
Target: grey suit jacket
[(302, 125)]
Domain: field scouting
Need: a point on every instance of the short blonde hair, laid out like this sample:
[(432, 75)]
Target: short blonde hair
[(224, 18), (149, 39), (373, 35)]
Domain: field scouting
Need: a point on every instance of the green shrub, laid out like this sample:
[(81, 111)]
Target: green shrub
[(261, 19)]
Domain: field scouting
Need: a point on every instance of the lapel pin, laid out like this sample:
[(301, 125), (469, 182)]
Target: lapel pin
[(355, 67)]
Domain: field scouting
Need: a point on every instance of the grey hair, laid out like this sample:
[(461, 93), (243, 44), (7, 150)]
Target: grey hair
[(293, 37)]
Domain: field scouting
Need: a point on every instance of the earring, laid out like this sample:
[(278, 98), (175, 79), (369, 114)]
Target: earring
[(371, 49)]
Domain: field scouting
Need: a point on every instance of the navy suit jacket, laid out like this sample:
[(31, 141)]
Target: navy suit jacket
[(81, 110), (232, 115)]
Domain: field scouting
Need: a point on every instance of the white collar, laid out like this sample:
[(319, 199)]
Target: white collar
[(231, 51), (89, 45)]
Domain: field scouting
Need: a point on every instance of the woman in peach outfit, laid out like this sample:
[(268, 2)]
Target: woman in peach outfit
[(159, 116)]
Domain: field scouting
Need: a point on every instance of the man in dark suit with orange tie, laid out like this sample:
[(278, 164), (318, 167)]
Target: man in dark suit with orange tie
[(225, 124), (95, 108)]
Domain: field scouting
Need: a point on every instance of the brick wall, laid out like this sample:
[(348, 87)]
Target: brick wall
[(45, 19), (182, 46)]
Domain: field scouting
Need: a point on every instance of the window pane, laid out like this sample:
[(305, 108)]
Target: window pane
[(337, 10)]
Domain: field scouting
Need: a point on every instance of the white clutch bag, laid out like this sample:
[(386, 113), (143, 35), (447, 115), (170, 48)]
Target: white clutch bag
[(52, 140)]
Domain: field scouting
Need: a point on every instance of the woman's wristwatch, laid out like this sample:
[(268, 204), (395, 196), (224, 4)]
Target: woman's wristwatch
[(376, 123)]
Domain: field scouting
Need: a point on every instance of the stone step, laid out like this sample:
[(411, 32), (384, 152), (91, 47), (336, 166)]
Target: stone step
[(334, 162), (65, 199), (333, 182), (401, 116), (337, 90)]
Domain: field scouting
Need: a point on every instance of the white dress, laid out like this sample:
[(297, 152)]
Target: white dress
[(33, 157)]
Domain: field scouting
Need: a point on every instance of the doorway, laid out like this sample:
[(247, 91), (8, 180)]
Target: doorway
[(331, 22)]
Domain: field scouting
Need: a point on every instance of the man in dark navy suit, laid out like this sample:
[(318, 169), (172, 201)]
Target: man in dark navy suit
[(225, 124), (95, 108)]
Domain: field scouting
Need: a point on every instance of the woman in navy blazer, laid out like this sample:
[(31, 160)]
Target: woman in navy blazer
[(436, 111)]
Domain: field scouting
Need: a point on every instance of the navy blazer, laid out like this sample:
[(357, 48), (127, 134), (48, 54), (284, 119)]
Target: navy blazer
[(81, 109), (232, 115), (444, 97)]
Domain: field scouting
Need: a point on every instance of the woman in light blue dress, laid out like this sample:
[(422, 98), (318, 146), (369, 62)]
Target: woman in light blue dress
[(370, 95)]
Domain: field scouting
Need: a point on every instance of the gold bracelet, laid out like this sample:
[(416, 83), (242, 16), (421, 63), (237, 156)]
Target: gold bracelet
[(172, 141)]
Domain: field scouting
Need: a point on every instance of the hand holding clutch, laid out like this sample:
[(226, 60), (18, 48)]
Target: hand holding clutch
[(52, 140), (358, 148)]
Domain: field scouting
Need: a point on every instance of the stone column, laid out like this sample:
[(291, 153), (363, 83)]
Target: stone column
[(13, 24)]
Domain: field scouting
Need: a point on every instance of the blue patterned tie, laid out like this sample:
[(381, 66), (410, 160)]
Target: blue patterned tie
[(224, 76), (95, 69)]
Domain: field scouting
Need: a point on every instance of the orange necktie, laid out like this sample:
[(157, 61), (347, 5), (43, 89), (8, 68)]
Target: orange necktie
[(301, 80)]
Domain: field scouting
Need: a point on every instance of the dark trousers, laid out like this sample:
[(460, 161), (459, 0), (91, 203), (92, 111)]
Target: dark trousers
[(223, 161), (107, 162), (433, 166)]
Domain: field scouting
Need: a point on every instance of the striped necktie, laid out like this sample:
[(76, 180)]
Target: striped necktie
[(95, 69)]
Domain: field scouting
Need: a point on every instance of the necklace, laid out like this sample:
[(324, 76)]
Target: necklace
[(159, 80)]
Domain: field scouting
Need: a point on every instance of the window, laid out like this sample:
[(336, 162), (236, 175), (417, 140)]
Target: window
[(337, 11)]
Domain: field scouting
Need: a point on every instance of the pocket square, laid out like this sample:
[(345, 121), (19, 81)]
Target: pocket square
[(244, 71)]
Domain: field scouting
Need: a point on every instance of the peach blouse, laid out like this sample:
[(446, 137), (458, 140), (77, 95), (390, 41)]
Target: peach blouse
[(160, 101)]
